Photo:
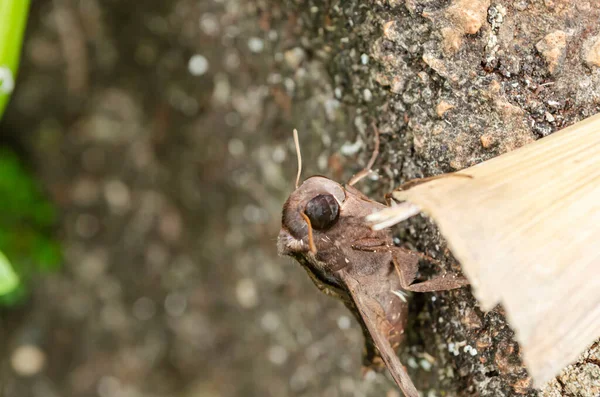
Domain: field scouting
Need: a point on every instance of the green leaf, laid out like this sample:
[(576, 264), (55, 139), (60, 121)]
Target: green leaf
[(8, 278), (26, 229), (13, 17), (47, 254)]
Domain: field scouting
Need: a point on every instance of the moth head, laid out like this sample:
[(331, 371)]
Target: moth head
[(314, 207)]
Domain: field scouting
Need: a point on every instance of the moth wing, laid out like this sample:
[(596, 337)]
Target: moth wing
[(375, 320)]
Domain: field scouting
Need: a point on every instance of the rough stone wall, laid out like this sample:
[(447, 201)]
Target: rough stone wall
[(162, 131)]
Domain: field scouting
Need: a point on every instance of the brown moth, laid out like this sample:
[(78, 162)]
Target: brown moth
[(324, 229)]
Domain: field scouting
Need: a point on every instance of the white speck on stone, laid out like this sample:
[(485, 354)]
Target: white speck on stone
[(370, 376), (289, 84), (322, 162), (364, 59), (453, 348), (209, 24), (343, 322), (144, 308), (433, 298), (91, 267), (426, 365), (294, 57), (350, 149), (232, 61), (412, 362), (367, 95), (255, 214), (28, 360), (117, 195), (521, 5), (246, 294), (279, 154), (236, 147), (299, 379), (198, 65), (549, 117), (331, 108), (7, 81), (175, 304), (274, 78), (270, 322), (338, 92), (256, 45), (222, 90), (277, 355)]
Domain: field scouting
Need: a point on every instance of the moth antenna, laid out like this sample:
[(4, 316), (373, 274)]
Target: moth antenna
[(311, 242), (367, 169), (299, 155)]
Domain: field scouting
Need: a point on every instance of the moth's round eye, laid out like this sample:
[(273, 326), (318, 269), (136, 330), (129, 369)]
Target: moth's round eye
[(323, 211)]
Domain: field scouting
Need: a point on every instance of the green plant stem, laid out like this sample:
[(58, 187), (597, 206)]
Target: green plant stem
[(13, 18)]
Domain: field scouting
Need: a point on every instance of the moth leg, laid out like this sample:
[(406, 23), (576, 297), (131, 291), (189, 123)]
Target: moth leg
[(367, 169), (406, 262), (407, 265), (389, 199), (440, 282), (370, 245)]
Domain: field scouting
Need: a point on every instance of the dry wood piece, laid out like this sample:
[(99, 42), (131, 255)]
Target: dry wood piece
[(525, 227)]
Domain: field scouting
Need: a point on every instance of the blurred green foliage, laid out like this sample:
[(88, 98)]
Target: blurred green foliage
[(9, 280), (26, 222), (25, 216)]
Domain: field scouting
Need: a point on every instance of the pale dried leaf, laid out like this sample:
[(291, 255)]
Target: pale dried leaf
[(526, 228)]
